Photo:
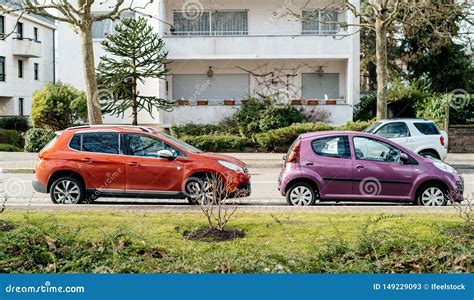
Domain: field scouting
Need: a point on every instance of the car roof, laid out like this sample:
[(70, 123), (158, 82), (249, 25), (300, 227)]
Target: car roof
[(118, 128), (333, 133), (404, 119)]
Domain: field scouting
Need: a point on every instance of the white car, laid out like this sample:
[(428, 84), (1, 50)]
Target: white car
[(419, 135)]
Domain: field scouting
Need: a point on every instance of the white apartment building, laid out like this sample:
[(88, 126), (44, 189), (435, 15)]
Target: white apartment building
[(221, 52), (26, 60)]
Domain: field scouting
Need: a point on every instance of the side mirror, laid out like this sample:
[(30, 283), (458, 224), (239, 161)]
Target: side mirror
[(165, 154), (404, 158)]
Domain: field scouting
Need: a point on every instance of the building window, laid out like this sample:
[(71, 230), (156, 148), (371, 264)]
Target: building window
[(2, 26), (101, 29), (20, 69), (20, 106), (19, 30), (320, 22), (2, 68), (36, 71), (35, 34), (211, 23), (320, 86)]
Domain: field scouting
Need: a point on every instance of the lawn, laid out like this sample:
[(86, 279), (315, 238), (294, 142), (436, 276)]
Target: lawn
[(113, 242)]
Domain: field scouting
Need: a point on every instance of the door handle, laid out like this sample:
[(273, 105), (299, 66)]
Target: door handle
[(309, 164), (359, 166), (133, 164), (86, 160)]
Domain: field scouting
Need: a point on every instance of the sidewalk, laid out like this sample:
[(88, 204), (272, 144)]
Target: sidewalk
[(21, 162)]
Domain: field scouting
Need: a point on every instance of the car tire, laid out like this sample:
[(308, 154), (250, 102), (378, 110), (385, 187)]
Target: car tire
[(195, 186), (67, 190), (429, 153), (301, 194), (432, 195)]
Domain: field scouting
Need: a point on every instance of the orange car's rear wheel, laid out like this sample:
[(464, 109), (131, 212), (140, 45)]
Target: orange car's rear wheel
[(67, 190)]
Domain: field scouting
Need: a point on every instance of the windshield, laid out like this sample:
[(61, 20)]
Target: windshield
[(179, 143), (371, 128)]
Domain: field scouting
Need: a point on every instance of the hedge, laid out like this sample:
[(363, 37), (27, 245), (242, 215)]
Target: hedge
[(9, 148), (37, 138), (218, 143), (356, 126), (18, 123), (195, 130), (11, 137), (283, 137)]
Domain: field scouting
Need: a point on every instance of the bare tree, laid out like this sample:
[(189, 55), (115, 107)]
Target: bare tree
[(387, 17), (217, 200), (80, 16), (465, 209)]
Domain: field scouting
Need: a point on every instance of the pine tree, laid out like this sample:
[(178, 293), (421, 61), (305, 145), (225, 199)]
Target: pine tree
[(135, 54)]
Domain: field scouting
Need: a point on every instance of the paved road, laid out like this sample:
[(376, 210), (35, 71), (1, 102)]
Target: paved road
[(264, 197)]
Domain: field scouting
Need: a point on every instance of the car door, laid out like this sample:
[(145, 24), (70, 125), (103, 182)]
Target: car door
[(146, 172), (99, 159), (378, 171), (330, 158), (397, 132)]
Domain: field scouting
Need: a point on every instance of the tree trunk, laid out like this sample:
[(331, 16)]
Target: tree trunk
[(382, 67), (93, 106), (134, 102)]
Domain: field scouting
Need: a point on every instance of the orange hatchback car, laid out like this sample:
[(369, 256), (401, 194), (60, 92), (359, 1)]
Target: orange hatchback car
[(83, 163)]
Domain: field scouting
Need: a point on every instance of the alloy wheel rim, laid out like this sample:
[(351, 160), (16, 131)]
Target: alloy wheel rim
[(200, 192), (67, 192), (301, 196), (432, 196)]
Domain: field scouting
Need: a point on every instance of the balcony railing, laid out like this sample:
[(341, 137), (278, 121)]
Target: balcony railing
[(26, 47), (209, 33)]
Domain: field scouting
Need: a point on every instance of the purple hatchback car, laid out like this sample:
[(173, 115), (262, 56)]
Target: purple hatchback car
[(355, 166)]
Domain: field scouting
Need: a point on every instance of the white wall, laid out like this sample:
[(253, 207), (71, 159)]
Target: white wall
[(14, 87), (279, 67), (267, 19)]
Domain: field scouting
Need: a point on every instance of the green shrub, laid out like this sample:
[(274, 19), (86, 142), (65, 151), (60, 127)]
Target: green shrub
[(249, 115), (18, 123), (9, 148), (37, 138), (202, 129), (218, 143), (356, 126), (11, 137), (281, 138), (278, 116), (57, 106)]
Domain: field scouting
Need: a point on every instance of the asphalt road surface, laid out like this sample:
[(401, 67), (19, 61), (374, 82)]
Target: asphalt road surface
[(265, 197)]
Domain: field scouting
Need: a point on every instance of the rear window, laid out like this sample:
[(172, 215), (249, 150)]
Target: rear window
[(371, 128), (75, 142), (427, 128)]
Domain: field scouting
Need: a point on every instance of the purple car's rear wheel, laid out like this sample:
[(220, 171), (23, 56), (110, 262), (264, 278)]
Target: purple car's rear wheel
[(301, 194)]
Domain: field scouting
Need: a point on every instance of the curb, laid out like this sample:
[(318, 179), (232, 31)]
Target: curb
[(17, 170), (462, 168)]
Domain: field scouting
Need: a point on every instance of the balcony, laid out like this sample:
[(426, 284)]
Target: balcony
[(26, 47), (258, 46)]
